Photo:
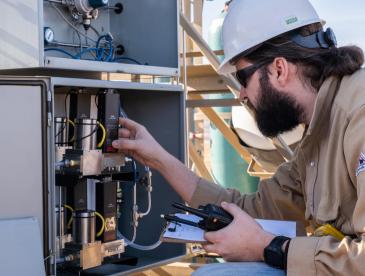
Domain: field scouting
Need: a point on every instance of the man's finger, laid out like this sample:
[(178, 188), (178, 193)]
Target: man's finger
[(231, 208), (124, 133), (210, 248), (128, 123), (213, 236), (124, 144)]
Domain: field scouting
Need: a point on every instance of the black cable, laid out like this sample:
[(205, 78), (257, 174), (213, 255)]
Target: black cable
[(66, 113), (95, 130), (97, 97), (61, 130), (68, 94)]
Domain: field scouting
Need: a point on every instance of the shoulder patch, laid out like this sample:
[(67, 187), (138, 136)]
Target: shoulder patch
[(361, 166)]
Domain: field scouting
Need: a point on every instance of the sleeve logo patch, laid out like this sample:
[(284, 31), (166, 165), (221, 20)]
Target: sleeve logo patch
[(361, 166)]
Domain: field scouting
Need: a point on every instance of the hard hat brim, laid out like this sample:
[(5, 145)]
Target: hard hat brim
[(226, 67)]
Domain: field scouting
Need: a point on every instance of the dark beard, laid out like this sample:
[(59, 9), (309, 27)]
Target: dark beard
[(276, 111)]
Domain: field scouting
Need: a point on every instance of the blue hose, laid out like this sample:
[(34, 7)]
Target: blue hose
[(100, 51), (85, 51), (61, 51), (110, 54), (101, 54)]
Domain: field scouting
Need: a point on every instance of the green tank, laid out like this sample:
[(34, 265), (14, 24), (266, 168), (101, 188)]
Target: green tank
[(228, 168)]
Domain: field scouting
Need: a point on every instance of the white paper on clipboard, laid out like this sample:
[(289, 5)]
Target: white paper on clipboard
[(179, 232)]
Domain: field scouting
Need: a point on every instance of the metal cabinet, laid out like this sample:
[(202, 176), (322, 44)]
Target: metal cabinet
[(28, 106), (54, 34)]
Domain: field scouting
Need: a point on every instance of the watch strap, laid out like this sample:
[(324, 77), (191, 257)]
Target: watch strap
[(286, 250), (273, 253)]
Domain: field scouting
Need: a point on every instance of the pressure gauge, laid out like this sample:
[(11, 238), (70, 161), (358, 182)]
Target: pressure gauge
[(48, 35), (85, 7), (98, 3)]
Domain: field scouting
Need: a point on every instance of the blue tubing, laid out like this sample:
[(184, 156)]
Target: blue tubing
[(86, 51), (110, 55), (61, 51)]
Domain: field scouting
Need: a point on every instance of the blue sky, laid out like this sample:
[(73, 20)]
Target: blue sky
[(346, 18)]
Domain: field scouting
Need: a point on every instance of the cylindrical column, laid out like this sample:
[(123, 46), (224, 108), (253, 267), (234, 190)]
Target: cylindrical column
[(83, 227), (86, 130)]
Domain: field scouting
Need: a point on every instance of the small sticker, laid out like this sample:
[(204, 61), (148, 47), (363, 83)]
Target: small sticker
[(361, 166), (291, 20), (110, 224)]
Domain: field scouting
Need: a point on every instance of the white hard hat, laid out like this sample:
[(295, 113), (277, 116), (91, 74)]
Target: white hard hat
[(252, 22)]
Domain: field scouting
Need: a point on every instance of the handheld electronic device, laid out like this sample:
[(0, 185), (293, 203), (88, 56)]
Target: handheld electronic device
[(213, 216)]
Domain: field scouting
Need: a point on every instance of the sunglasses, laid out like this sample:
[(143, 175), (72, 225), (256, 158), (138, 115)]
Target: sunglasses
[(243, 75)]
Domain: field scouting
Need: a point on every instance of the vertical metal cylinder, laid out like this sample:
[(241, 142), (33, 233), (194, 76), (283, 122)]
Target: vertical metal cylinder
[(86, 130), (60, 221), (61, 138), (83, 227)]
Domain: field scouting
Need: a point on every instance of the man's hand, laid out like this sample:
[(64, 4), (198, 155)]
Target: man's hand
[(135, 141), (242, 240)]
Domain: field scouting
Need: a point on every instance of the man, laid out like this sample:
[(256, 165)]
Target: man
[(291, 72)]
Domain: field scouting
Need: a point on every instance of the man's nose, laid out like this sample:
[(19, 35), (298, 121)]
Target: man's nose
[(243, 94)]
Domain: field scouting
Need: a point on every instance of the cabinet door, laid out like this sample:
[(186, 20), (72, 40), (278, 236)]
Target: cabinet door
[(24, 152)]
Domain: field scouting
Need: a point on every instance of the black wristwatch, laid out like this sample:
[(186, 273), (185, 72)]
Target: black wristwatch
[(274, 254)]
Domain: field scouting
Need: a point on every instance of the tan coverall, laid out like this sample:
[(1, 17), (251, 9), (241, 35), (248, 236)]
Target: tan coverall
[(324, 183)]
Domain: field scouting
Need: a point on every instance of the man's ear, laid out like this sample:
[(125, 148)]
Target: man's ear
[(280, 72)]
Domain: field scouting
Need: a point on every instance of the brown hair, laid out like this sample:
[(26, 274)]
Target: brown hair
[(315, 65)]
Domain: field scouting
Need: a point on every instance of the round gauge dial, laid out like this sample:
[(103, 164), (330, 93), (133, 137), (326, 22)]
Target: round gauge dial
[(48, 35)]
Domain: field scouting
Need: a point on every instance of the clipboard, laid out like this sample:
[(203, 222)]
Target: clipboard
[(182, 233)]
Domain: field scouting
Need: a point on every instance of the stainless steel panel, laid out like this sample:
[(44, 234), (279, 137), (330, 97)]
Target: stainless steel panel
[(97, 66), (20, 37), (123, 85)]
